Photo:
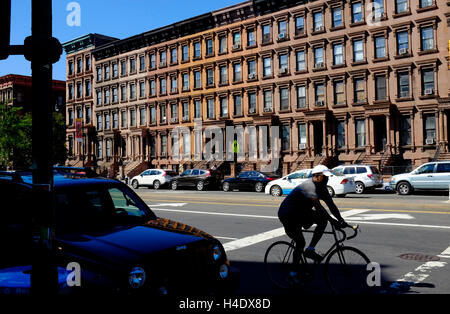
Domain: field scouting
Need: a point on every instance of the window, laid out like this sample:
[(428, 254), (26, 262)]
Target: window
[(301, 96), (319, 93), (162, 58), (251, 38), (88, 89), (197, 79), (426, 3), (99, 97), (282, 29), (318, 58), (173, 55), (403, 85), (174, 109), (71, 117), (360, 132), (222, 44), (251, 64), (401, 6), (267, 33), (87, 63), (427, 81), (79, 90), (236, 40), (338, 54), (164, 144), (380, 87), (223, 74), (268, 100), (173, 84), (237, 75), (99, 122), (99, 74), (141, 89), (380, 47), (339, 93), (106, 96), (197, 109), (88, 115), (360, 91), (100, 149), (210, 108), (115, 120), (402, 42), (152, 88), (162, 114), (71, 68), (285, 137), (132, 117), (223, 106), (429, 128), (115, 70), (153, 61), (443, 168), (123, 67), (301, 61), (141, 63), (79, 113), (357, 12), (405, 130), (427, 38), (340, 134), (132, 91), (162, 86), (337, 20), (237, 105), (79, 65), (252, 102), (197, 50), (284, 98), (185, 53), (318, 21), (152, 115), (123, 120), (70, 92), (132, 65), (267, 64), (106, 72), (378, 9), (107, 122), (299, 25), (358, 50), (302, 134), (210, 77), (185, 77), (185, 107), (115, 95)]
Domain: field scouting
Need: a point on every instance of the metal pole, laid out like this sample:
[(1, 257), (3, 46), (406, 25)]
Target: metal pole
[(44, 276)]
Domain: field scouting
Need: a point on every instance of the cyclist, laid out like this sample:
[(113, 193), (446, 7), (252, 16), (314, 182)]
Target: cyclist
[(302, 208)]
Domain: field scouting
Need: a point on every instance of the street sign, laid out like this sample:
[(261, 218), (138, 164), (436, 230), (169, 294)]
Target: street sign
[(78, 130), (235, 147)]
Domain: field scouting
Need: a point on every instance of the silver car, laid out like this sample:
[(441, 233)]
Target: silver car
[(429, 176)]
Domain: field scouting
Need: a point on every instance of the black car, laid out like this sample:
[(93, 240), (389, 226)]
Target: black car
[(249, 180), (119, 243), (199, 178)]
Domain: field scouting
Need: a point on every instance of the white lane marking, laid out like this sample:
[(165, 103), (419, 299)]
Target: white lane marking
[(225, 238), (247, 241), (446, 253), (168, 204), (214, 213), (397, 224), (420, 273), (382, 216)]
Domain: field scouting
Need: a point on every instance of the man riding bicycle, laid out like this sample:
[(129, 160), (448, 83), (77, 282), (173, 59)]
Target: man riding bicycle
[(302, 208)]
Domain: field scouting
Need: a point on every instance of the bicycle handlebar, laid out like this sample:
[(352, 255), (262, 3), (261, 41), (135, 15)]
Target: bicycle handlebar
[(344, 234)]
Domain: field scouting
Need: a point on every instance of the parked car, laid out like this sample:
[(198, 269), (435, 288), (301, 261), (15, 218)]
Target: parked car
[(338, 184), (201, 179), (81, 171), (366, 176), (429, 176), (155, 178), (116, 239), (249, 180)]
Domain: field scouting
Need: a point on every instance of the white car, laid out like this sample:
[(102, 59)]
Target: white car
[(153, 177), (366, 176), (338, 184)]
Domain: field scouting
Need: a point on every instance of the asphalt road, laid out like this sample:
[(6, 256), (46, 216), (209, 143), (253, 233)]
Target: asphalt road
[(408, 236)]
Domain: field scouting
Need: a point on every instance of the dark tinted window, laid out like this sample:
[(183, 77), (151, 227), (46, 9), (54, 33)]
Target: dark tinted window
[(244, 175), (361, 170), (426, 169), (349, 170), (155, 172), (146, 173), (443, 168), (171, 173), (195, 172), (186, 172), (375, 170)]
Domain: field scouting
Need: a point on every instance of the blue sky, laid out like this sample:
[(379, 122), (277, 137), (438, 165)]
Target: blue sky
[(115, 18)]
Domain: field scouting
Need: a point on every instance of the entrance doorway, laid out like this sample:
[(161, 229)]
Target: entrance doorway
[(379, 131), (318, 137)]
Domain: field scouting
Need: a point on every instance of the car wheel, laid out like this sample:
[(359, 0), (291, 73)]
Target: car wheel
[(174, 185), (135, 184), (226, 187), (156, 184), (331, 191), (404, 188), (259, 187), (359, 187), (200, 186), (276, 190)]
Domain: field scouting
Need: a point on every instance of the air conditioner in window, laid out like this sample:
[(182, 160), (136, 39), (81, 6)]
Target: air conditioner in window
[(302, 146), (236, 46), (429, 141), (403, 51), (173, 120), (318, 29), (320, 103), (252, 110), (429, 91), (283, 70), (162, 64), (252, 76), (319, 65), (267, 109), (282, 36)]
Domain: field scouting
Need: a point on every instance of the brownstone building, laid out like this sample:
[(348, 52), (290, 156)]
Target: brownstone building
[(343, 82)]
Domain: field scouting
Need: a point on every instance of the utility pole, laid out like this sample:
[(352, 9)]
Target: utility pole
[(42, 50)]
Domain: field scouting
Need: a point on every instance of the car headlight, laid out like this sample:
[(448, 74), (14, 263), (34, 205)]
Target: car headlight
[(393, 179), (224, 271), (217, 253), (136, 277)]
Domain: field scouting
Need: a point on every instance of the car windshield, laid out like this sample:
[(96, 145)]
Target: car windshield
[(337, 173), (98, 208)]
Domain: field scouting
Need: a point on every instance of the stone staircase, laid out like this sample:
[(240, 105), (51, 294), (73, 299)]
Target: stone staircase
[(135, 167), (444, 156)]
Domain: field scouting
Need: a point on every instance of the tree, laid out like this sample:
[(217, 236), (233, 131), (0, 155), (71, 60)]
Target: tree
[(15, 137)]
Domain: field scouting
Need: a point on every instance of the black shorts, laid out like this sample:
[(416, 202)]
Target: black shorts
[(293, 224)]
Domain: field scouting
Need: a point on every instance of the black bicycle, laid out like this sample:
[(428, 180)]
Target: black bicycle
[(345, 267)]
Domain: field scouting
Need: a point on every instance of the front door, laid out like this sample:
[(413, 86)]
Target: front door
[(318, 137), (379, 126)]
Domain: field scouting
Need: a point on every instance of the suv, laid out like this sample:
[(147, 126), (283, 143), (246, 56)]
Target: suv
[(429, 176), (198, 178), (153, 177), (365, 176), (120, 245)]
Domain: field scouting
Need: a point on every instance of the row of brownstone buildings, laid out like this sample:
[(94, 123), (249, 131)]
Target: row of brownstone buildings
[(343, 83)]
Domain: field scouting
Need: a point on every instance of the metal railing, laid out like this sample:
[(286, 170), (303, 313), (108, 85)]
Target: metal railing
[(393, 170)]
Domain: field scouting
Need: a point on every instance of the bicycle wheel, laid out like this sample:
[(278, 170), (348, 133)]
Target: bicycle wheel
[(278, 263), (346, 271)]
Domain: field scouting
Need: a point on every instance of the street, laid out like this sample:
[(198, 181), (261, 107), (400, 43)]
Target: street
[(407, 236)]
